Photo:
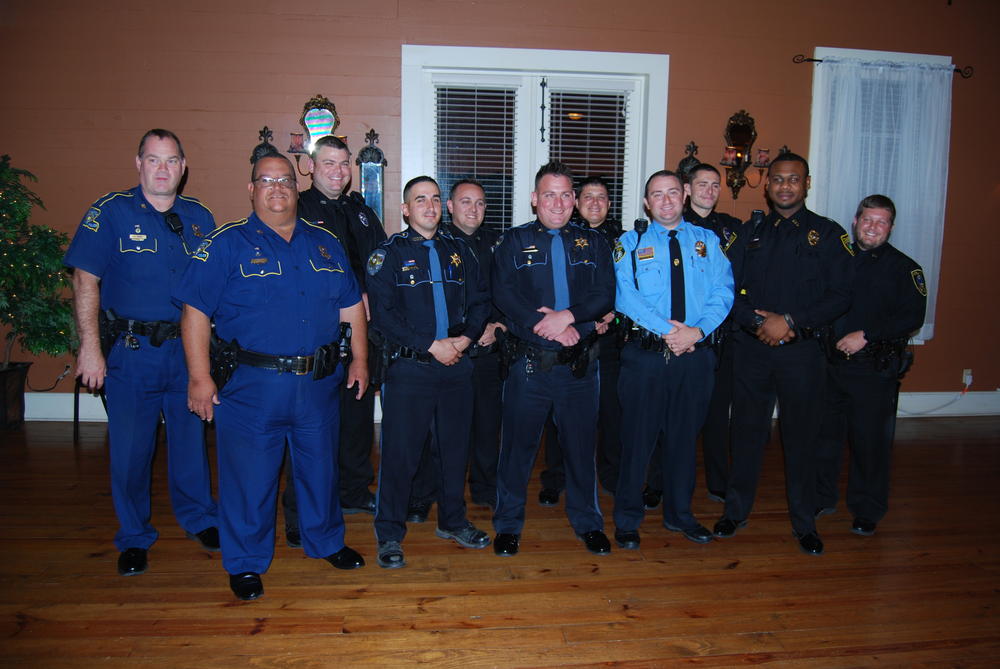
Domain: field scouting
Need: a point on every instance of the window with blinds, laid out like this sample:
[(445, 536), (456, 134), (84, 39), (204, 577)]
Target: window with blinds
[(588, 133), (475, 138)]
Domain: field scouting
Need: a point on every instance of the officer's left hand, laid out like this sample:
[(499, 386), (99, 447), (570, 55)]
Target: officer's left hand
[(682, 338), (444, 351), (554, 323), (203, 397), (357, 373), (568, 337), (852, 342), (490, 333), (602, 325)]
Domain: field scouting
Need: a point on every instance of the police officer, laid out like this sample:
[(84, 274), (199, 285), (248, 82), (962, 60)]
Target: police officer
[(702, 189), (329, 203), (792, 271), (467, 207), (128, 252), (552, 281), (868, 357), (429, 303), (277, 288), (592, 203), (675, 287)]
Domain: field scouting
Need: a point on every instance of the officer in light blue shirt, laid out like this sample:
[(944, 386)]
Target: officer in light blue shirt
[(674, 287)]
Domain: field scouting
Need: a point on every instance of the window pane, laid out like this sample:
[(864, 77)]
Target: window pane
[(475, 139), (588, 132)]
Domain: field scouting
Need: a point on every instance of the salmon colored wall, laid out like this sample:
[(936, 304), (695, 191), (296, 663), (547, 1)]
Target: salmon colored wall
[(83, 80)]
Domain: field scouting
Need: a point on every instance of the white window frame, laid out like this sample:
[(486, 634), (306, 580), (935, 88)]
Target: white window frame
[(646, 149)]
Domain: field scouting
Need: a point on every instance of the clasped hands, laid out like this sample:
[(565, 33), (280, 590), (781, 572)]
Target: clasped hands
[(449, 350), (774, 331), (557, 326)]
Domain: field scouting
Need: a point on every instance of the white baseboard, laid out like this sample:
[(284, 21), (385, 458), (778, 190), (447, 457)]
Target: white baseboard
[(59, 406)]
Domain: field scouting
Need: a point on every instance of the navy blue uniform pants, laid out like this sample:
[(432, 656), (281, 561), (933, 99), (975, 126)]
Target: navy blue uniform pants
[(716, 430), (668, 399), (861, 407), (527, 400), (796, 375), (420, 399), (260, 409), (140, 384)]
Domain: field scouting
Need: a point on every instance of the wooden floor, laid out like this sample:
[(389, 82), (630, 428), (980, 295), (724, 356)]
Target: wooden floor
[(922, 592)]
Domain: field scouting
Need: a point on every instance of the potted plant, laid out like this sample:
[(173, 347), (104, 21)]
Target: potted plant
[(33, 282)]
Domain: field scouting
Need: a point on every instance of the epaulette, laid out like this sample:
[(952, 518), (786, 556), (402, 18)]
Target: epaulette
[(107, 197), (194, 200), (320, 227), (227, 226)]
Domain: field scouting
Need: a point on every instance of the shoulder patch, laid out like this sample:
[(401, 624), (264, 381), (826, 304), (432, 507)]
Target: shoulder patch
[(375, 261), (919, 282), (90, 220), (201, 253), (730, 238), (619, 250), (846, 241)]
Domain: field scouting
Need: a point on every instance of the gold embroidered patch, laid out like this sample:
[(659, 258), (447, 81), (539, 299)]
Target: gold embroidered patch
[(619, 251), (846, 241), (919, 282)]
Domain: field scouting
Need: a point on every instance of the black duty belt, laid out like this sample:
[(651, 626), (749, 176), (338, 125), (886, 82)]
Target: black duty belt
[(293, 364), (476, 350), (407, 353), (166, 329), (651, 341)]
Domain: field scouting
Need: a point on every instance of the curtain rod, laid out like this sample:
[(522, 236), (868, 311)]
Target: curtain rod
[(965, 72)]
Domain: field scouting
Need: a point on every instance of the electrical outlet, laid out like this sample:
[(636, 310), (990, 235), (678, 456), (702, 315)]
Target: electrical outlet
[(966, 377)]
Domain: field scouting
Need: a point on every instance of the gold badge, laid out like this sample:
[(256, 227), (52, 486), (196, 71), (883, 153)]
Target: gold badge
[(456, 259), (323, 252), (812, 238), (581, 243), (196, 230), (699, 248)]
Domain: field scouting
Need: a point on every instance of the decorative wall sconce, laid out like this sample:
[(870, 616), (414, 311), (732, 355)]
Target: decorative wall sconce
[(319, 118), (741, 133), (688, 162), (371, 164)]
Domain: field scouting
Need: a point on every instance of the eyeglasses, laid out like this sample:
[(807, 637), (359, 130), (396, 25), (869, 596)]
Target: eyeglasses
[(282, 182)]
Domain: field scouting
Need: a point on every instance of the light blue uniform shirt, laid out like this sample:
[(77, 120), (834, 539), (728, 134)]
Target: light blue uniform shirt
[(708, 278)]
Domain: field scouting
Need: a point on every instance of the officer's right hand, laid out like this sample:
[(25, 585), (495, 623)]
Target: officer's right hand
[(444, 352), (91, 367), (202, 397)]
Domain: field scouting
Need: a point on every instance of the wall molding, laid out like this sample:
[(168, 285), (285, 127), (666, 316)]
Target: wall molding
[(59, 406)]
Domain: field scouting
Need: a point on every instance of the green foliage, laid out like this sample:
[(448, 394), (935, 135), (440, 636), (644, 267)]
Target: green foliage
[(33, 280)]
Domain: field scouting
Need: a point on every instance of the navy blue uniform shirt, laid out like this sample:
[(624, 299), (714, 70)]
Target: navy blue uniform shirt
[(355, 224), (889, 295), (799, 266), (400, 291), (124, 241), (522, 278), (727, 228), (273, 296)]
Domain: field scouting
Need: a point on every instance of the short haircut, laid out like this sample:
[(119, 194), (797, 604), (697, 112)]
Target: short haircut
[(878, 202), (700, 167), (332, 141), (789, 157), (556, 168), (160, 133), (464, 182), (661, 173), (417, 180), (273, 153), (594, 180)]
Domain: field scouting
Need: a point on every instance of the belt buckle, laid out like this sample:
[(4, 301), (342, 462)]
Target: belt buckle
[(308, 368)]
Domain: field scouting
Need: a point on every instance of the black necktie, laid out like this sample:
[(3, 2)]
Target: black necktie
[(676, 279)]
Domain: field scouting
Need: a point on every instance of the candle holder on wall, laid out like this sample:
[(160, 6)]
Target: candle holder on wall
[(319, 119), (740, 135), (371, 164)]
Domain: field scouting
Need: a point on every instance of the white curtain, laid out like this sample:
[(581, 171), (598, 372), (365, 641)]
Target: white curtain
[(883, 127)]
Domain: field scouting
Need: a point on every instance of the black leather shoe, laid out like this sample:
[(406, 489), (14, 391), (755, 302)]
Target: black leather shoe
[(506, 545), (824, 511), (596, 542), (418, 511), (863, 526), (810, 543), (208, 538), (651, 498), (246, 586), (132, 562), (548, 496), (346, 558), (365, 505), (293, 538), (726, 528), (698, 534), (627, 539), (717, 496)]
